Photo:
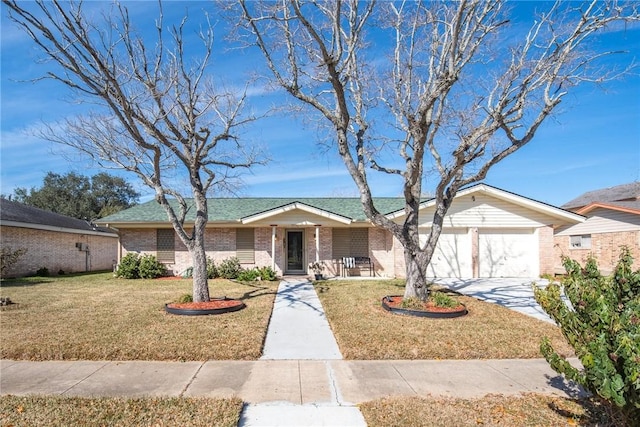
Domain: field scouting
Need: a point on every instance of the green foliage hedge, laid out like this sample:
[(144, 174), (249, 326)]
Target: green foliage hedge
[(133, 266), (601, 320)]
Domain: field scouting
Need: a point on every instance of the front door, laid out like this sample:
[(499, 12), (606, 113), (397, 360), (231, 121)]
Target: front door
[(295, 252)]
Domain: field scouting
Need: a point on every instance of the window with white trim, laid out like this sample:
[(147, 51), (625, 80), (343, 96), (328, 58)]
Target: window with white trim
[(580, 242)]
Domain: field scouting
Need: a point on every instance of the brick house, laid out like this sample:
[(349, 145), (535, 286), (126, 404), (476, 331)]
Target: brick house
[(54, 241), (612, 221), (488, 232)]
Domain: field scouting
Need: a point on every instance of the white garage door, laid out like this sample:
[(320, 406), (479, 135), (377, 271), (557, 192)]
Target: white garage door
[(452, 257), (508, 253)]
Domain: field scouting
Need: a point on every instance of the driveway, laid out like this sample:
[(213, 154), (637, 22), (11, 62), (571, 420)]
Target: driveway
[(513, 293)]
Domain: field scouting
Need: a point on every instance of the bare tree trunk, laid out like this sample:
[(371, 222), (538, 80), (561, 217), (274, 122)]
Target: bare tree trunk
[(417, 284), (200, 282)]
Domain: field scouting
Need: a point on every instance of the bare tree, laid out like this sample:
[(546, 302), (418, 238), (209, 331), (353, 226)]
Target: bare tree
[(463, 86), (156, 114)]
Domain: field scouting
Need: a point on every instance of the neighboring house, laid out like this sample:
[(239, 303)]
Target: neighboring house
[(54, 241), (488, 232), (613, 221)]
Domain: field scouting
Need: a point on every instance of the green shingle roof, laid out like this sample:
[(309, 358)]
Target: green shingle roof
[(234, 209)]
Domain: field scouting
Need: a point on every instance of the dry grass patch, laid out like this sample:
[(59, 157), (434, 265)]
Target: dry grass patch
[(492, 410), (99, 317), (67, 411), (365, 331)]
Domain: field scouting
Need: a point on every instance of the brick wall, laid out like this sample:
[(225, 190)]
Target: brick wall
[(605, 247), (57, 251), (545, 250)]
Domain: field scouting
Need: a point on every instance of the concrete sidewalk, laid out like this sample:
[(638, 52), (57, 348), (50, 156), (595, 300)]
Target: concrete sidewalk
[(290, 382)]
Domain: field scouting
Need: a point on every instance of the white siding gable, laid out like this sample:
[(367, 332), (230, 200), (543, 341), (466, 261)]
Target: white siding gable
[(602, 220), (482, 210)]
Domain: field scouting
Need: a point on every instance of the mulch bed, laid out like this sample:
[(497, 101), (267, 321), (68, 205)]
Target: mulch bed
[(396, 302)]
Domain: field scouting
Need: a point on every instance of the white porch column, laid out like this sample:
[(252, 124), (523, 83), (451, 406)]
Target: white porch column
[(273, 246), (317, 243)]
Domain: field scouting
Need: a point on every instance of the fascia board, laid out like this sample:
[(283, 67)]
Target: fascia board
[(56, 229)]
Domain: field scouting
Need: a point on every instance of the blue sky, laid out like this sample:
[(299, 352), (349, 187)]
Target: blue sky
[(593, 143)]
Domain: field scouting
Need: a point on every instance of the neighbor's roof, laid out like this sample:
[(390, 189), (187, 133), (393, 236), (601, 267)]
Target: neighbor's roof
[(620, 193), (235, 209), (20, 215)]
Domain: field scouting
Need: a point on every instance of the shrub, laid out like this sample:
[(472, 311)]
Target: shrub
[(8, 257), (185, 298), (42, 272), (129, 267), (412, 303), (440, 299), (267, 273), (150, 267), (602, 323), (249, 275), (212, 270), (229, 268)]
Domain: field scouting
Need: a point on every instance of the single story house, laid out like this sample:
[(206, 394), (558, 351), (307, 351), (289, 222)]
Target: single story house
[(55, 242), (612, 221), (487, 232)]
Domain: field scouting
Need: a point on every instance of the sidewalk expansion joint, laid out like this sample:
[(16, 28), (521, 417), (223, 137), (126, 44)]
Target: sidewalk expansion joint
[(191, 380), (85, 378), (405, 380)]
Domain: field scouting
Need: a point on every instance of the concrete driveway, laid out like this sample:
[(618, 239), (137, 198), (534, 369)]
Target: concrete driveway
[(513, 293)]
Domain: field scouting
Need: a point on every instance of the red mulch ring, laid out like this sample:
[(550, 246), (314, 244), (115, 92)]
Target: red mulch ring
[(396, 302)]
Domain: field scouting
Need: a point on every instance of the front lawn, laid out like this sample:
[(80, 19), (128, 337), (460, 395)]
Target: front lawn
[(77, 411), (99, 317), (491, 410), (365, 331)]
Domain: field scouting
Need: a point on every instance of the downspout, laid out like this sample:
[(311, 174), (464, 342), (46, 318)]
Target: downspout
[(317, 243)]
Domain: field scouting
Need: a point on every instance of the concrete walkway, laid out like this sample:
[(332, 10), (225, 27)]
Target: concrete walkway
[(300, 381), (513, 293)]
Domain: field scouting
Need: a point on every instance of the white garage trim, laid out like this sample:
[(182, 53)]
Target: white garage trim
[(452, 257), (508, 253)]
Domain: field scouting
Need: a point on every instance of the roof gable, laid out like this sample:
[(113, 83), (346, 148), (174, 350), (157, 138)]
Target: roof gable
[(297, 206), (526, 208)]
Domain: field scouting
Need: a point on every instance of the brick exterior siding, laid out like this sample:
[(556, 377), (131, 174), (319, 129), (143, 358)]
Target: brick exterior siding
[(545, 245), (56, 250), (605, 247)]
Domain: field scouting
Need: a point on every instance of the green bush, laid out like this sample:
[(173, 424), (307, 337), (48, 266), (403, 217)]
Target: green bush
[(249, 275), (42, 272), (229, 268), (267, 273), (440, 299), (602, 322), (212, 270), (185, 298), (151, 268), (129, 267)]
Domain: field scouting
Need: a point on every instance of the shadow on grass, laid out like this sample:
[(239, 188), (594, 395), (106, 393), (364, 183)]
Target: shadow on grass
[(24, 281), (596, 413), (257, 291)]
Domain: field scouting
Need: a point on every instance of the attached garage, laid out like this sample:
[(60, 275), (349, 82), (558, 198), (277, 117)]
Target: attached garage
[(489, 232), (508, 253), (453, 254)]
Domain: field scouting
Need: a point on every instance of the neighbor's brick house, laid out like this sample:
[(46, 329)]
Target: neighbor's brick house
[(612, 221), (488, 232), (54, 241)]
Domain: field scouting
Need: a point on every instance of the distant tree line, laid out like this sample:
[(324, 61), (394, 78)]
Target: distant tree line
[(79, 196)]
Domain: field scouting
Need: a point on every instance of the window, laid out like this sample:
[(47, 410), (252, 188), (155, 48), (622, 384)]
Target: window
[(245, 245), (350, 242), (581, 242), (165, 245)]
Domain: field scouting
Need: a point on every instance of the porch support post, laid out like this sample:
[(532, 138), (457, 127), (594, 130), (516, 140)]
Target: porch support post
[(317, 243), (273, 246)]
